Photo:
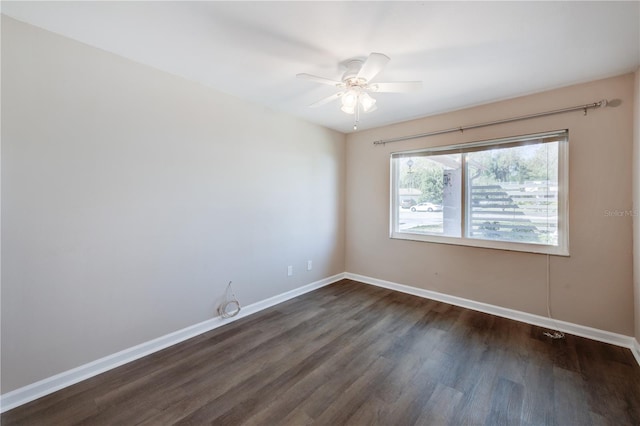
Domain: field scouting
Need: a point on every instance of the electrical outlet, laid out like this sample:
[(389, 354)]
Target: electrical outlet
[(289, 270), (309, 265)]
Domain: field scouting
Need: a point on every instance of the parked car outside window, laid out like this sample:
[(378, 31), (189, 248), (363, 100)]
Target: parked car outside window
[(426, 207)]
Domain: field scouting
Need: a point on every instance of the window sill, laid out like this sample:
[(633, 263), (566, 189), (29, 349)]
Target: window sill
[(490, 244)]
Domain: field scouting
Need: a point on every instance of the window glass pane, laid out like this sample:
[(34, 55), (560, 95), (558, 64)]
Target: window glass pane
[(512, 194), (429, 194)]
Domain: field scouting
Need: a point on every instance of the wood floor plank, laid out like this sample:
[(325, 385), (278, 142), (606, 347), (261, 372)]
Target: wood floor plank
[(570, 399), (354, 354), (441, 406), (537, 400), (409, 406), (355, 395), (506, 403)]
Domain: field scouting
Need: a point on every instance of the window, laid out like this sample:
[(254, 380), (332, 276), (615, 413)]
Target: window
[(508, 194)]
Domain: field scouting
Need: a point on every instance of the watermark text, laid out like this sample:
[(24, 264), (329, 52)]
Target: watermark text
[(621, 213)]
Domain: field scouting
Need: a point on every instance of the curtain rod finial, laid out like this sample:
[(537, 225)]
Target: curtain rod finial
[(613, 103)]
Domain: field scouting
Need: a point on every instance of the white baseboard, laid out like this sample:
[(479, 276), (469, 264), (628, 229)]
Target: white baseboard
[(635, 350), (51, 384), (567, 327)]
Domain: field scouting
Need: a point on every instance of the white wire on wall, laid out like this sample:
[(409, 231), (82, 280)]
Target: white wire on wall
[(230, 307), (554, 334)]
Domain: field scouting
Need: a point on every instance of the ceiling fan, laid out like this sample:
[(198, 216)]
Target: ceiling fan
[(356, 85)]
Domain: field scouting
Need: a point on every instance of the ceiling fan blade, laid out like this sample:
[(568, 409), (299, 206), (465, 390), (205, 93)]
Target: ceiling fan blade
[(320, 80), (326, 100), (396, 87), (372, 66)]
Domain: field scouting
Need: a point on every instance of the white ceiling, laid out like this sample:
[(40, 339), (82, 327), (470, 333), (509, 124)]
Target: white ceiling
[(466, 53)]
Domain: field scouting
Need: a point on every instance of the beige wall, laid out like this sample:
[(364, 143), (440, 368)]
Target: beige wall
[(130, 197), (636, 203), (592, 287)]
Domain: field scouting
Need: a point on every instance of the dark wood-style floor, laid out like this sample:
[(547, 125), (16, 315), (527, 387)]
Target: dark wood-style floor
[(355, 354)]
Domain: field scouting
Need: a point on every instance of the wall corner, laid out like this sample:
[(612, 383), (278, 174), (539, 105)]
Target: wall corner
[(636, 203)]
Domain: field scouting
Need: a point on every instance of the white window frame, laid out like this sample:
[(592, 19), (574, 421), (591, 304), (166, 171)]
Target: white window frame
[(562, 249)]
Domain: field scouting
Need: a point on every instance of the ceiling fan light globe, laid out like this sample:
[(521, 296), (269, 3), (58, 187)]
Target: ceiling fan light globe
[(367, 102), (350, 99), (348, 109)]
